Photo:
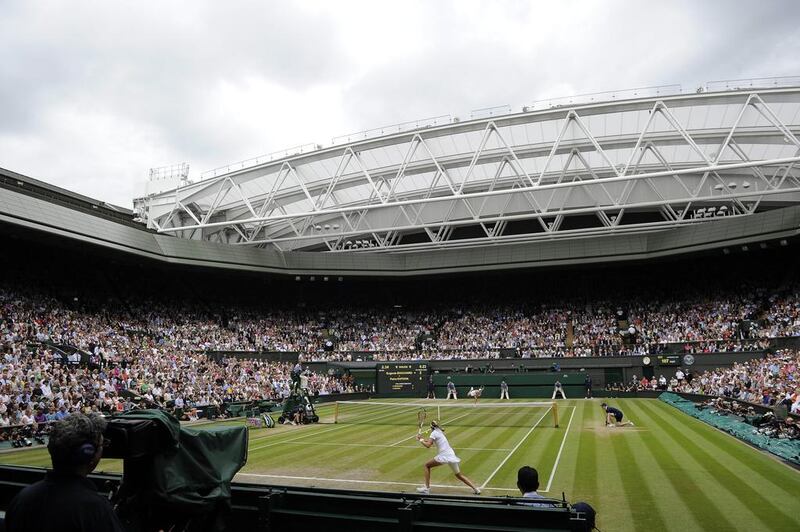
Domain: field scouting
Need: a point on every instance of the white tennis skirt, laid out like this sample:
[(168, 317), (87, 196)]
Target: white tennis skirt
[(450, 459)]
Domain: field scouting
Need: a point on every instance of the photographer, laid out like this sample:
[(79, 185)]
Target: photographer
[(66, 501)]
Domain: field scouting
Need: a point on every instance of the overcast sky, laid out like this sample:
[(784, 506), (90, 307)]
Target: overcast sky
[(94, 93)]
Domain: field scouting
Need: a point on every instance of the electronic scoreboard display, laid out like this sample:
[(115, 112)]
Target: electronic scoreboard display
[(401, 378), (669, 360)]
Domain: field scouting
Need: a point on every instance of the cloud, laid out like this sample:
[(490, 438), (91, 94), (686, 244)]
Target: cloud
[(95, 93)]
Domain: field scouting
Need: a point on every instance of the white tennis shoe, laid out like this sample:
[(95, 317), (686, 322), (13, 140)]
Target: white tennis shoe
[(424, 490), (476, 491)]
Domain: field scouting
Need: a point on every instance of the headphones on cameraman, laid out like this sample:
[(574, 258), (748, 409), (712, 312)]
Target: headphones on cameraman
[(87, 450), (85, 453)]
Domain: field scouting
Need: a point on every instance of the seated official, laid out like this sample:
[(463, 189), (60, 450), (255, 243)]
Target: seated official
[(528, 484), (67, 501)]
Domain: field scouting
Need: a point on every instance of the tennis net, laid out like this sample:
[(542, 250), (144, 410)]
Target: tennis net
[(452, 414)]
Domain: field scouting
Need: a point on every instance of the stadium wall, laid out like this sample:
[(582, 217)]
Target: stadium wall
[(537, 376)]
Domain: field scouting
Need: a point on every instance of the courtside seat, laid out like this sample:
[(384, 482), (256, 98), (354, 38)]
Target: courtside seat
[(333, 510), (495, 514)]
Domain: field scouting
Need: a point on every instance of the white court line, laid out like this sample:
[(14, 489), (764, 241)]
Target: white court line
[(558, 457), (396, 447), (515, 448), (314, 433), (383, 482)]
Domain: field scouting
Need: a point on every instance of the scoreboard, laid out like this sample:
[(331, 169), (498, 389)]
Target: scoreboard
[(669, 360), (401, 378)]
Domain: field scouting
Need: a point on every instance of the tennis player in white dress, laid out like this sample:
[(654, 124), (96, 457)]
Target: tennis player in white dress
[(475, 393), (445, 455)]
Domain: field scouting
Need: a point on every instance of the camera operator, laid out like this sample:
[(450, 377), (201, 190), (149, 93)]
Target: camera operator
[(66, 501)]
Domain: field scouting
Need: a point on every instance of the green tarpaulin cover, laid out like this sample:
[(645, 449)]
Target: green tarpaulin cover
[(194, 467), (787, 449)]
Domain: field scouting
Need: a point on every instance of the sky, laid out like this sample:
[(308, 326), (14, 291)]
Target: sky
[(95, 93)]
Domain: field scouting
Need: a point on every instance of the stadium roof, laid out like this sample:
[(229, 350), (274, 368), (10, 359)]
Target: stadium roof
[(643, 161)]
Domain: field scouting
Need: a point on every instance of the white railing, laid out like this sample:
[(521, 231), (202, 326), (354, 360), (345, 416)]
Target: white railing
[(391, 129), (488, 112), (754, 83), (261, 159), (607, 96), (175, 171)]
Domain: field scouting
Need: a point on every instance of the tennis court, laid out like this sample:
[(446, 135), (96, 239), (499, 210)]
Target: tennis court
[(373, 445), (669, 472)]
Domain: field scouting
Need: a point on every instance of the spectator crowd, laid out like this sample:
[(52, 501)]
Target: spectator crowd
[(164, 353)]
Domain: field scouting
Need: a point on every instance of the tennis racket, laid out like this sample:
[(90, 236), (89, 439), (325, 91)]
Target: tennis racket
[(421, 415)]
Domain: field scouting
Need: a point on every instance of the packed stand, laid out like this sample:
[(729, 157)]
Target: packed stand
[(768, 381), (766, 423), (152, 361)]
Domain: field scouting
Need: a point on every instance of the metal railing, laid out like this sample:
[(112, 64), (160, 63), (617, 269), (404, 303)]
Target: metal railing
[(754, 83), (487, 112), (174, 171), (261, 159), (607, 96), (391, 129)]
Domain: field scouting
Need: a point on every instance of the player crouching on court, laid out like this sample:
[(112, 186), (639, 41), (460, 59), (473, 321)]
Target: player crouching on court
[(446, 455), (614, 417)]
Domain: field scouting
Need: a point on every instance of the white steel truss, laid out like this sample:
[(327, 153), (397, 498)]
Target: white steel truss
[(639, 165)]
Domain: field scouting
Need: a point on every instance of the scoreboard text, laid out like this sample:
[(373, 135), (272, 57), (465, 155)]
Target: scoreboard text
[(401, 378)]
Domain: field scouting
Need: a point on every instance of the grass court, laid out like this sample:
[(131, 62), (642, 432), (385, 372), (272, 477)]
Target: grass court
[(669, 472)]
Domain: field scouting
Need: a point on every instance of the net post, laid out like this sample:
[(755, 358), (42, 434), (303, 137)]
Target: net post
[(439, 413), (555, 413), (336, 412)]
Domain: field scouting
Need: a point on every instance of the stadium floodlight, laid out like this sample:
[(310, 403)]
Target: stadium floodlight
[(745, 184), (731, 185), (719, 186)]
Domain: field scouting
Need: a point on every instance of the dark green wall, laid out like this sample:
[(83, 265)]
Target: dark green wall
[(537, 385)]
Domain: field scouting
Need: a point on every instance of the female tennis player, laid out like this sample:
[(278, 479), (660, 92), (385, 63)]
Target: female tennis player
[(475, 393), (446, 455)]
